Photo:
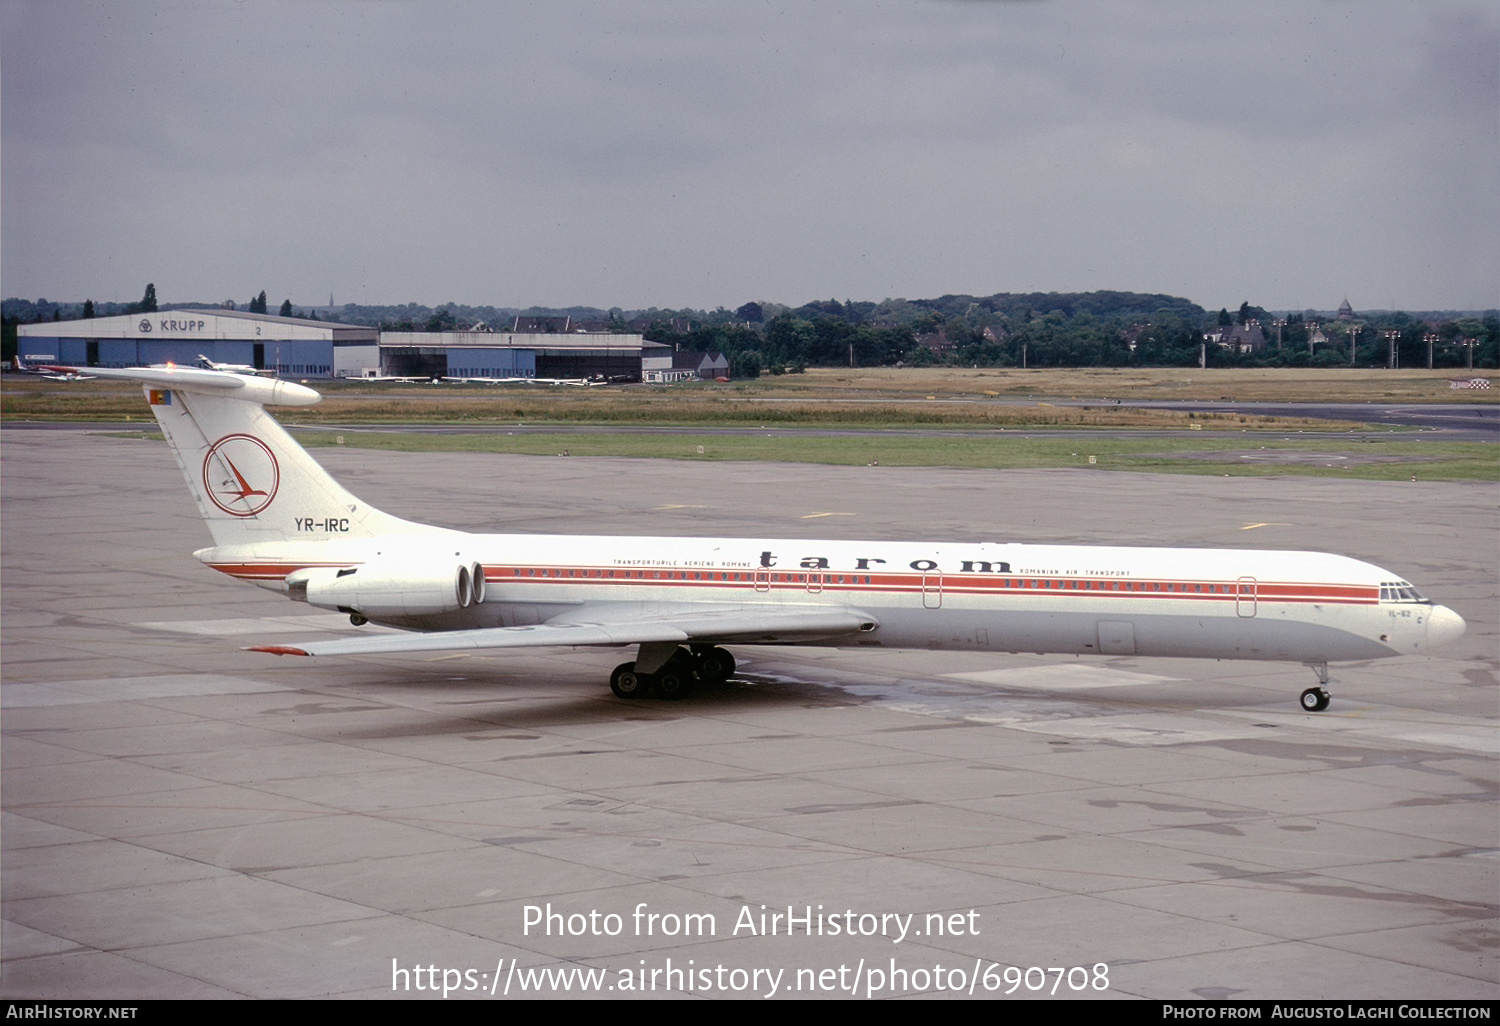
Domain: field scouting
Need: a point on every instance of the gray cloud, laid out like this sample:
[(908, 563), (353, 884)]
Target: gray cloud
[(685, 154)]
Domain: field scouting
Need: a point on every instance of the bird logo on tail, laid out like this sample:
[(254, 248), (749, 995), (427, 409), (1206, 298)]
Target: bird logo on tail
[(232, 463)]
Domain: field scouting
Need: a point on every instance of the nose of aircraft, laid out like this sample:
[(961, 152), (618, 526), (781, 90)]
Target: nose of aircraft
[(1444, 626)]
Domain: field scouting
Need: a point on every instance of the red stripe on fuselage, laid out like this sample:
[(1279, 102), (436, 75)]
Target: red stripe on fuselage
[(267, 571), (882, 583), (956, 584)]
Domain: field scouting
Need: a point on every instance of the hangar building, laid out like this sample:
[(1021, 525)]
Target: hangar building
[(513, 354), (295, 348), (290, 346), (669, 366)]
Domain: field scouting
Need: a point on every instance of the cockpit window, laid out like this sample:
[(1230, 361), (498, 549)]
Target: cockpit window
[(1401, 591)]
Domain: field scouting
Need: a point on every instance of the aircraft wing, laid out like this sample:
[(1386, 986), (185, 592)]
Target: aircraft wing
[(605, 626)]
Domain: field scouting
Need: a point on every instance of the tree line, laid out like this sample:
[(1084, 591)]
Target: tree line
[(1078, 329), (1099, 329)]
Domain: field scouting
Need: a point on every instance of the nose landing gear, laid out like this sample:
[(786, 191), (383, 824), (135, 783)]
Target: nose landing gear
[(1317, 699)]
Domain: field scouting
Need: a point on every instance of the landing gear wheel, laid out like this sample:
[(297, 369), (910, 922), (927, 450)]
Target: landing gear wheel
[(673, 683), (1315, 700), (715, 666), (626, 683)]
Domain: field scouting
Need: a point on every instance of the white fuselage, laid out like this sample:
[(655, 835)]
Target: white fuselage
[(1230, 604), (278, 519)]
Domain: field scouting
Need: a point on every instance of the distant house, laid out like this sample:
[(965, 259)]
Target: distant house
[(937, 341), (666, 368), (1239, 338), (1346, 312), (710, 366), (676, 325), (542, 325)]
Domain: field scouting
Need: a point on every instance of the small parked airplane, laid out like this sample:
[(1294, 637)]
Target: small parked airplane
[(280, 521), (579, 382), (234, 368), (49, 372)]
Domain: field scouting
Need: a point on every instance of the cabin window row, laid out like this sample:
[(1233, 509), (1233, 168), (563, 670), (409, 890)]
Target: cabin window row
[(1073, 584), (1059, 584), (727, 576)]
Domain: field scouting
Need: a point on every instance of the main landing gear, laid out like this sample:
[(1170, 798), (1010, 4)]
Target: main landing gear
[(685, 669), (1317, 699)]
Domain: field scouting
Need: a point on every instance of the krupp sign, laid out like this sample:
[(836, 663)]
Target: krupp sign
[(147, 324)]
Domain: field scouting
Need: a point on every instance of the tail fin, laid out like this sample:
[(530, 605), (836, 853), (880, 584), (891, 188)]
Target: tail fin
[(252, 481)]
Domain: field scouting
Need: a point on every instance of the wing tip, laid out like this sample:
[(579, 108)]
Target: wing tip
[(280, 650)]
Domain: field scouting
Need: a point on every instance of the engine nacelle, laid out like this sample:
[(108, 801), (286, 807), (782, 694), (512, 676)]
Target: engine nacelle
[(388, 589)]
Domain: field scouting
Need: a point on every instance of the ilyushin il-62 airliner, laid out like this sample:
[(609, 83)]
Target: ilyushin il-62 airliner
[(280, 521)]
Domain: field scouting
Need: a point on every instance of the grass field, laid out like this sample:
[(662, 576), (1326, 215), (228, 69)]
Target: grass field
[(1335, 384), (1241, 456), (878, 397), (823, 396), (952, 417)]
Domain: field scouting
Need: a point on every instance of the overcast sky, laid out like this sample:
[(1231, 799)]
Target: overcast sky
[(657, 153)]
